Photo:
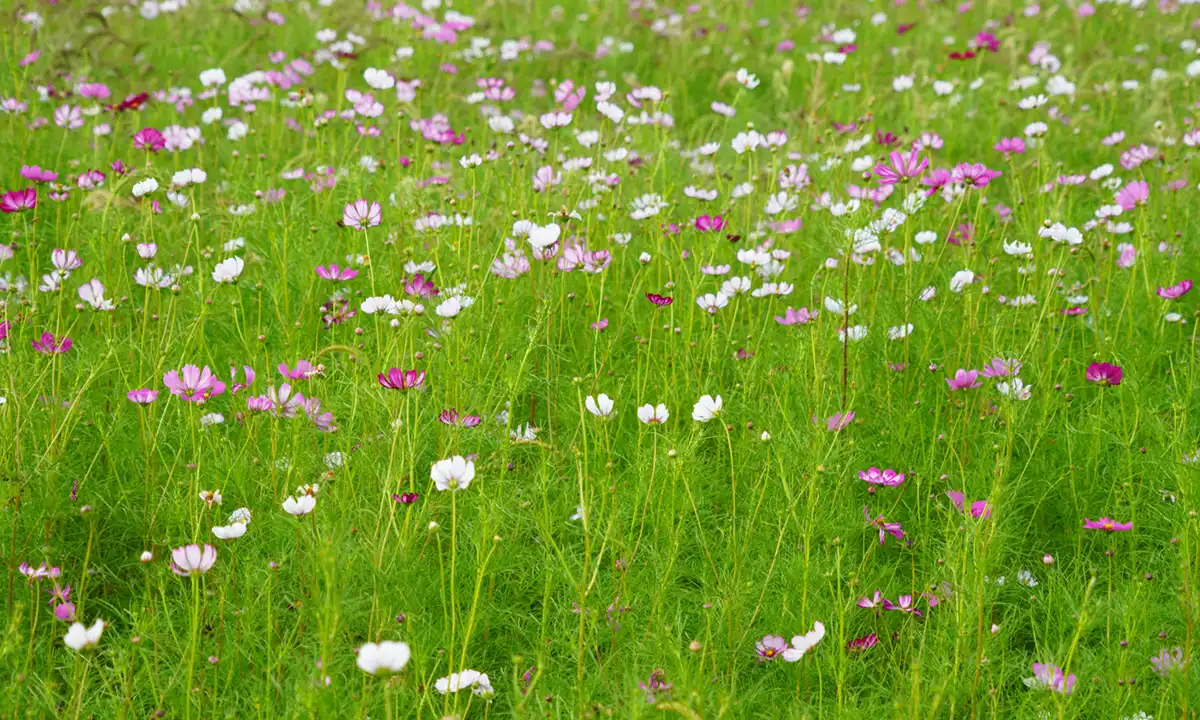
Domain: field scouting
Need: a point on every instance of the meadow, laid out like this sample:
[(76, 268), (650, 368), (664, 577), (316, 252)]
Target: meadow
[(512, 359)]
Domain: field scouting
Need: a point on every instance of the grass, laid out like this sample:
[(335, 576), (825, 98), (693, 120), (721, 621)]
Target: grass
[(598, 567)]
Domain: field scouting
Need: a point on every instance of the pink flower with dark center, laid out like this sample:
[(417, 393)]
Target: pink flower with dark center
[(862, 644), (1107, 524), (397, 379), (1104, 374), (47, 345), (18, 200), (659, 300), (770, 647), (1176, 291), (975, 175), (964, 380), (335, 273)]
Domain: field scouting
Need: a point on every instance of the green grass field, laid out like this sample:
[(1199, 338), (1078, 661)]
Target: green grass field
[(732, 360)]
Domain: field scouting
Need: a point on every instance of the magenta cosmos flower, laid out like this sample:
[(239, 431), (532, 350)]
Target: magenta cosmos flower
[(360, 215), (979, 508), (397, 379), (335, 273), (659, 300), (47, 345), (1133, 194), (192, 560), (1104, 374), (1001, 367), (838, 421), (37, 174), (875, 476), (194, 384), (964, 380), (1010, 145), (707, 223), (1176, 291), (1107, 524), (885, 528), (18, 200), (902, 167), (303, 370), (149, 139)]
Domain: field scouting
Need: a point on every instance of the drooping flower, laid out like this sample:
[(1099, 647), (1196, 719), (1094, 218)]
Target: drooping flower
[(796, 317), (876, 602), (862, 644), (1001, 367), (1107, 524), (659, 300), (193, 559), (1104, 374), (48, 345), (453, 473), (144, 396), (303, 370), (1176, 291), (838, 421), (885, 528), (978, 509)]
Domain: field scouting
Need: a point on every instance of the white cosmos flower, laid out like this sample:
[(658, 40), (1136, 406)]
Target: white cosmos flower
[(856, 333), (652, 415), (379, 79), (1017, 249), (228, 270), (1015, 389), (802, 644), (601, 406), (900, 332), (747, 78), (835, 307), (145, 187), (961, 279), (706, 408), (781, 202), (543, 236), (457, 681), (388, 656), (925, 237), (229, 532), (711, 303), (453, 473), (92, 293), (450, 308), (300, 506), (79, 638)]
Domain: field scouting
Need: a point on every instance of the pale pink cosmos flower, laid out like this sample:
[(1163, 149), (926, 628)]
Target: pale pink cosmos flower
[(360, 215), (193, 559), (964, 380), (303, 370), (875, 476), (194, 384), (335, 273), (1001, 367), (902, 168), (1133, 194)]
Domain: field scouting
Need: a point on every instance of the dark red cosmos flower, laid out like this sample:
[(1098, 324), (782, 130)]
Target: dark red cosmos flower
[(659, 300)]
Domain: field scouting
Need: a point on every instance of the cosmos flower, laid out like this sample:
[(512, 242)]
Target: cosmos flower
[(48, 345), (360, 215), (875, 476), (1050, 677), (80, 638), (1176, 291), (1107, 524), (653, 415), (192, 560), (300, 506), (770, 647), (194, 384), (885, 528), (453, 473), (397, 379), (796, 317), (1104, 374), (902, 167), (964, 380), (802, 644), (601, 406), (979, 508), (384, 657)]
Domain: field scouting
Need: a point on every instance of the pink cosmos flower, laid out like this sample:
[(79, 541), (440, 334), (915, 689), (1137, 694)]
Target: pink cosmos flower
[(659, 300), (47, 345), (1133, 194), (1050, 677), (149, 139), (144, 396), (797, 317), (194, 385), (904, 604), (877, 602), (1000, 367), (420, 286), (979, 508), (964, 380), (360, 215), (1174, 292), (397, 379), (902, 168), (707, 223), (247, 373), (37, 174), (303, 370), (335, 273), (192, 560), (838, 421), (875, 476), (975, 175), (18, 200), (770, 647), (936, 180), (1104, 374), (885, 528), (1010, 145), (1107, 524)]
